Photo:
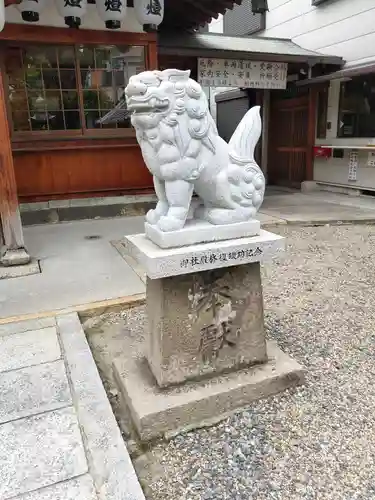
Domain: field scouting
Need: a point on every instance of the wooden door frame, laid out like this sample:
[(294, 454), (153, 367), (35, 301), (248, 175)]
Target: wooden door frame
[(295, 103), (311, 126)]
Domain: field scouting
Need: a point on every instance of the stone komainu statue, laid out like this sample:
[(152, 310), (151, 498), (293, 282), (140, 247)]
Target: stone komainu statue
[(183, 151)]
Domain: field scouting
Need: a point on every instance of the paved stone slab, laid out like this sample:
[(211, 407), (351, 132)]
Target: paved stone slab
[(157, 412), (33, 390), (267, 220), (28, 348), (39, 451), (161, 263), (110, 463), (80, 488), (27, 325), (197, 231), (7, 272)]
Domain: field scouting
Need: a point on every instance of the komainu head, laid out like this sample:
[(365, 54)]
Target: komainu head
[(153, 96)]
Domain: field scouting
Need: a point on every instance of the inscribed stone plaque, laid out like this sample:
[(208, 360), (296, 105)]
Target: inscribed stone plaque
[(163, 262), (205, 322)]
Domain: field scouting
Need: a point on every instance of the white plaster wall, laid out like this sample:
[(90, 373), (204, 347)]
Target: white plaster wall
[(335, 171), (341, 27), (50, 17)]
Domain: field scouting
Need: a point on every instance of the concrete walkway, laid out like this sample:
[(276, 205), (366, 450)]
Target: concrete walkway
[(80, 264), (59, 439), (317, 208)]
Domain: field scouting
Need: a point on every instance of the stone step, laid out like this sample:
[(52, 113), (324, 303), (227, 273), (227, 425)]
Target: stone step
[(55, 211)]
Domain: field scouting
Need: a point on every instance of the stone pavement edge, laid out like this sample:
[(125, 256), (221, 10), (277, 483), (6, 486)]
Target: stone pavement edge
[(58, 436)]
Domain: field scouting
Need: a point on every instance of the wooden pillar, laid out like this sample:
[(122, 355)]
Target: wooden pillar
[(311, 133), (152, 55), (265, 130), (13, 251)]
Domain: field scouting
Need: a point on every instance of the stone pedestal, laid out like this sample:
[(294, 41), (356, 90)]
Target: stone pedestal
[(15, 257), (206, 352), (204, 323), (200, 231)]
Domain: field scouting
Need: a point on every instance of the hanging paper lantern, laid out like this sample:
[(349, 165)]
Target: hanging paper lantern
[(112, 12), (72, 11), (149, 13), (30, 9)]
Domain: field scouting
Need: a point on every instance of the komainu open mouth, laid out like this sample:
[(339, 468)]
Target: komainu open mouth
[(152, 105)]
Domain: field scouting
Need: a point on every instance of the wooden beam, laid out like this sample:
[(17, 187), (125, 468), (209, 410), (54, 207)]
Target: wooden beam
[(172, 26), (46, 34), (201, 12), (197, 4), (13, 251), (152, 56), (222, 6), (229, 4), (184, 15)]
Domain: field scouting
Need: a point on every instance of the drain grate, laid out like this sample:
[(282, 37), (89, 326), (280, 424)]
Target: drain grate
[(93, 237)]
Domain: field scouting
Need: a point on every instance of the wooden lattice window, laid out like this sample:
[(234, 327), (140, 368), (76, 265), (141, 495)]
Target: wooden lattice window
[(65, 90)]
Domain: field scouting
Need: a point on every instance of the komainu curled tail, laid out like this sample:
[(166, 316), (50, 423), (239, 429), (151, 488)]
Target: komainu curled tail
[(240, 187), (242, 145)]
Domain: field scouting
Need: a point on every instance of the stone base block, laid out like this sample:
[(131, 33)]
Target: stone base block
[(19, 271), (16, 257), (309, 186), (163, 262), (164, 412), (198, 231), (206, 322)]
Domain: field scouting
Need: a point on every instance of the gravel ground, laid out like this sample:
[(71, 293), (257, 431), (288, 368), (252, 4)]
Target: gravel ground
[(315, 442)]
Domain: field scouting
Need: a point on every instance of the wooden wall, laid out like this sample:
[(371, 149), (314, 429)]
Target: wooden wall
[(71, 171)]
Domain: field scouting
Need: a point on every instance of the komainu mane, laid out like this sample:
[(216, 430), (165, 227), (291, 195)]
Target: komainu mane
[(185, 154)]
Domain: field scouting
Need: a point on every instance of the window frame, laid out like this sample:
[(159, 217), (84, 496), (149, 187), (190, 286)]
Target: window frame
[(21, 35), (339, 114), (322, 92)]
